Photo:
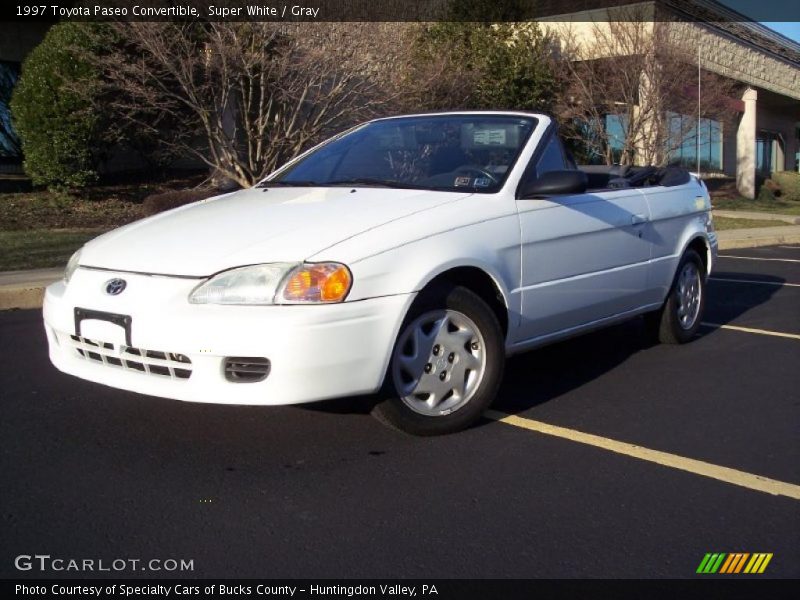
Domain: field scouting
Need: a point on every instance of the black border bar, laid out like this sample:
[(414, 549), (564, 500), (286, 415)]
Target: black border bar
[(381, 10), (732, 588)]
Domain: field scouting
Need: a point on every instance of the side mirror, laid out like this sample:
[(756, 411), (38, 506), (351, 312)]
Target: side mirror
[(554, 183)]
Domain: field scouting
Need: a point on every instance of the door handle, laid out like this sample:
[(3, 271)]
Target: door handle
[(638, 219)]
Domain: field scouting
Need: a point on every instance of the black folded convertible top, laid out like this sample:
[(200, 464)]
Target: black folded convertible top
[(624, 176)]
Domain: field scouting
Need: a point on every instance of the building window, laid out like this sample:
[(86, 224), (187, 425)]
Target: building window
[(768, 148), (616, 125), (9, 142), (686, 139), (600, 138)]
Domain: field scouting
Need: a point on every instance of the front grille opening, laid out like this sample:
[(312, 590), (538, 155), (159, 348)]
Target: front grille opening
[(241, 369), (132, 364), (159, 370), (150, 362)]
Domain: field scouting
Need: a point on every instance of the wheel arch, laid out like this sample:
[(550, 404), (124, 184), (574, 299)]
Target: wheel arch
[(701, 245), (479, 281)]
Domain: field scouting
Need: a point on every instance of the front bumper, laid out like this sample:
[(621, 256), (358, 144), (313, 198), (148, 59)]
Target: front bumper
[(316, 352)]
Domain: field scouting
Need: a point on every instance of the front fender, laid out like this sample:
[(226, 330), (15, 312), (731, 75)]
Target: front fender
[(410, 267), (402, 256)]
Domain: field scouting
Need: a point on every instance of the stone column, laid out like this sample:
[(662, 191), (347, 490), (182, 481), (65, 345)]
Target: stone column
[(746, 146)]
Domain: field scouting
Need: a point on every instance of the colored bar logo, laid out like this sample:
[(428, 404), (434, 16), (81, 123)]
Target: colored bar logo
[(733, 563)]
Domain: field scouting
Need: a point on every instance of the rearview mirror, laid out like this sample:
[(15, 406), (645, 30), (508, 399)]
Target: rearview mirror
[(554, 183)]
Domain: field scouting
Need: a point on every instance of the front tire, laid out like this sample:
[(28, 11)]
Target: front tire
[(446, 365), (679, 318)]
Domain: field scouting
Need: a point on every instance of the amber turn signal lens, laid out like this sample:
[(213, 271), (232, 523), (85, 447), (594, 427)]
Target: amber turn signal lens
[(324, 282), (336, 285), (298, 285)]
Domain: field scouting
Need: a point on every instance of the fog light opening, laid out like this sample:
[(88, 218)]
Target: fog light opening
[(246, 369)]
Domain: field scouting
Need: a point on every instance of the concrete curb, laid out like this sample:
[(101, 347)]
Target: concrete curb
[(753, 238), (21, 297), (759, 216), (25, 289)]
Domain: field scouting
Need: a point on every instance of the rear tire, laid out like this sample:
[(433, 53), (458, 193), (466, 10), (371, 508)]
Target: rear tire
[(446, 366), (678, 320)]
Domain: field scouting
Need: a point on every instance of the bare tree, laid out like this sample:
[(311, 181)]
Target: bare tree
[(643, 75), (245, 97)]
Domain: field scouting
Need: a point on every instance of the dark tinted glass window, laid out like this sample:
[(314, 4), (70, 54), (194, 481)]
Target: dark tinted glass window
[(10, 146), (552, 159)]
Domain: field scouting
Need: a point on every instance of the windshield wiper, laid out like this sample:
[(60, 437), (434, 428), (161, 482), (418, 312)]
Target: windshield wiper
[(373, 182), (355, 181), (279, 183)]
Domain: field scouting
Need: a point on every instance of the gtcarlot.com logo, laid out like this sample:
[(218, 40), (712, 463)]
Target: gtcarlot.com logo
[(734, 563), (46, 562)]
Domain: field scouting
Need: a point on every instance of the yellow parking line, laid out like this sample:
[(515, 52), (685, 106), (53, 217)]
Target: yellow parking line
[(791, 336), (775, 283), (674, 461), (793, 260)]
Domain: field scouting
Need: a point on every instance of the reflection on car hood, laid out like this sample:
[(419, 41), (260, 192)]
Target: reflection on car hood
[(253, 226)]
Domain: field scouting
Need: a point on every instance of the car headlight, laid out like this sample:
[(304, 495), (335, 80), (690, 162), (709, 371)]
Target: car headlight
[(72, 264), (277, 283)]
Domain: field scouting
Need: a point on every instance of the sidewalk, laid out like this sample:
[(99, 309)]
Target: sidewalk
[(25, 289)]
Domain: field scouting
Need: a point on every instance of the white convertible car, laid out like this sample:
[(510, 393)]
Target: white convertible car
[(406, 257)]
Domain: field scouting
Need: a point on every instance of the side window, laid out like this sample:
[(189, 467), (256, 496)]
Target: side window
[(552, 159)]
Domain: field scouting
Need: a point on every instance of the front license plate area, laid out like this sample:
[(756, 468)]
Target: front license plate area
[(103, 326), (103, 331)]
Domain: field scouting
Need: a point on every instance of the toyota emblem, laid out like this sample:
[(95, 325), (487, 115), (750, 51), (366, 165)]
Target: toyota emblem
[(115, 287)]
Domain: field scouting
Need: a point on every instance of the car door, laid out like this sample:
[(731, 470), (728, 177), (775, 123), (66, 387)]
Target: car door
[(583, 256)]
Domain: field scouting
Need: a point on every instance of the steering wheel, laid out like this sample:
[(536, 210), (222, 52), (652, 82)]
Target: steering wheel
[(476, 169)]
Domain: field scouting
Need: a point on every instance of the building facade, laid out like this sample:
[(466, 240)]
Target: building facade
[(764, 135)]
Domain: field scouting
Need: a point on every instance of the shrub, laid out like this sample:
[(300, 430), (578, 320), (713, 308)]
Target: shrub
[(788, 182), (62, 137), (765, 194), (773, 187), (156, 203)]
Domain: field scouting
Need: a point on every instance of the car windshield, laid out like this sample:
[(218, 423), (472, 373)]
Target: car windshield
[(439, 152)]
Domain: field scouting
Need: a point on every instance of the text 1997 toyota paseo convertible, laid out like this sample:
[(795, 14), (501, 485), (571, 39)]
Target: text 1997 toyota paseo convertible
[(406, 257)]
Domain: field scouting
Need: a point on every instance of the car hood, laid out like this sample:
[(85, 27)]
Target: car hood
[(253, 226)]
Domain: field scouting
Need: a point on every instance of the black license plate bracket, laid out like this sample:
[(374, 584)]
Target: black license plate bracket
[(124, 321)]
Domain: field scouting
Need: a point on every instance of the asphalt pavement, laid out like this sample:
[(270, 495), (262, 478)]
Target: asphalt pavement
[(326, 491)]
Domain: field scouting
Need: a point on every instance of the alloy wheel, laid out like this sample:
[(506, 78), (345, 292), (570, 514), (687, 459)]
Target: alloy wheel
[(439, 362), (689, 292)]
